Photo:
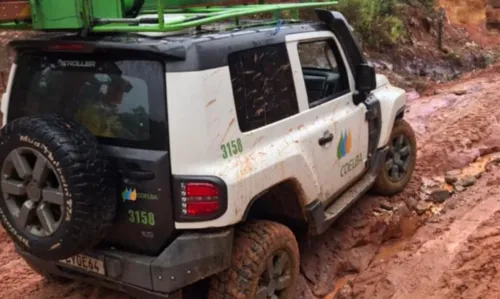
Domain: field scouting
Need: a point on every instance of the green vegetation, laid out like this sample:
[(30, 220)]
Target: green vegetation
[(380, 23), (376, 21)]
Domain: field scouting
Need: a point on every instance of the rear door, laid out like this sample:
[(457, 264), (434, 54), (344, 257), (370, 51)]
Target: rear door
[(121, 100)]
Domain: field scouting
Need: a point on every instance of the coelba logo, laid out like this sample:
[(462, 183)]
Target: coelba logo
[(345, 143), (129, 194)]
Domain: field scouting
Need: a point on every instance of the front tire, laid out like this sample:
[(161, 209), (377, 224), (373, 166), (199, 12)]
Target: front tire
[(400, 161), (265, 264)]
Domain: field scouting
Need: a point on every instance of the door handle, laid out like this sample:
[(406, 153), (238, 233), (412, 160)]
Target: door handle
[(327, 138)]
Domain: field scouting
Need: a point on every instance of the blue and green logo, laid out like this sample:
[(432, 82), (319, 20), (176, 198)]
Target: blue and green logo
[(129, 195), (345, 144)]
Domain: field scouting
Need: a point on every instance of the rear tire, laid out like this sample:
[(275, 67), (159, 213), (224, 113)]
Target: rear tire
[(58, 189), (400, 162), (261, 247)]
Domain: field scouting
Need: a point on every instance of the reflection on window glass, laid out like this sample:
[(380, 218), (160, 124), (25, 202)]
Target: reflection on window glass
[(317, 55), (263, 87), (110, 98), (325, 76)]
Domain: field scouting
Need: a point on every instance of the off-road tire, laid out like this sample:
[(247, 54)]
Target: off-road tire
[(255, 243), (88, 182), (384, 185)]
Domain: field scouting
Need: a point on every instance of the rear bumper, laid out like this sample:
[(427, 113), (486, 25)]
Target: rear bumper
[(189, 258)]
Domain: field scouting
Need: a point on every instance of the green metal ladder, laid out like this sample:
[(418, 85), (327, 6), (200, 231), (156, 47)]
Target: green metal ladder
[(149, 16)]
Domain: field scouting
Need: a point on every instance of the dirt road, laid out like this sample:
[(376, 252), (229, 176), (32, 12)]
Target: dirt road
[(410, 246)]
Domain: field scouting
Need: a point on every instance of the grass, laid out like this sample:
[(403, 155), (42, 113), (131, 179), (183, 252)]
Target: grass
[(376, 21)]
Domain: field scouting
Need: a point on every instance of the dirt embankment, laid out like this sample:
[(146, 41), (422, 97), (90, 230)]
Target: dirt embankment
[(467, 45)]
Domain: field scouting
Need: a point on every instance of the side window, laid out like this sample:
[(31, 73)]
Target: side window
[(324, 71), (263, 86)]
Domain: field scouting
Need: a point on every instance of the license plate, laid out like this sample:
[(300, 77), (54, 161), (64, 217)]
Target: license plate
[(85, 262)]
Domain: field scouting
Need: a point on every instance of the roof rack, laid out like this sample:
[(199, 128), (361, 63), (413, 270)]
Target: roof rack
[(137, 15)]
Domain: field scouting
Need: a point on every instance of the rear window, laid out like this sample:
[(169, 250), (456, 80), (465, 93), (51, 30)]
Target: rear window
[(119, 100)]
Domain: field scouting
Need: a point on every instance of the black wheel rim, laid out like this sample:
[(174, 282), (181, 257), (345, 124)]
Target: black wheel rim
[(276, 278), (32, 192), (399, 158)]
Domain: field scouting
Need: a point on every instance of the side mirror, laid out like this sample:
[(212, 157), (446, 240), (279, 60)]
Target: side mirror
[(366, 79)]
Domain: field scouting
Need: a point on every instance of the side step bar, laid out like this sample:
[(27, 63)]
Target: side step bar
[(322, 218)]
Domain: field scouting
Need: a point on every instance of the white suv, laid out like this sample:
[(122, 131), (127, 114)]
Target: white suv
[(148, 164)]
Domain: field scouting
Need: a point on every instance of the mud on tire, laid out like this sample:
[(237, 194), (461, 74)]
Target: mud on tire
[(261, 247), (58, 190), (402, 139)]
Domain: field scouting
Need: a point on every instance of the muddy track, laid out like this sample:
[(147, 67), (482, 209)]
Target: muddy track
[(373, 250)]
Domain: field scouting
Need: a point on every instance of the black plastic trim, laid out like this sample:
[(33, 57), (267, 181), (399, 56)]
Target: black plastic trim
[(401, 112), (189, 53), (176, 195), (93, 44), (374, 119), (191, 257), (348, 41)]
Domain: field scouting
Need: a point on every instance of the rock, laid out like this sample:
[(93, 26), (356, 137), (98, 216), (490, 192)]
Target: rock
[(424, 196), (439, 195), (439, 179), (466, 181), (410, 202), (460, 92), (493, 163), (470, 44), (460, 159), (492, 141), (386, 206), (452, 176), (345, 292), (486, 150), (421, 208), (459, 188), (413, 22), (359, 258), (388, 66), (466, 142), (428, 183)]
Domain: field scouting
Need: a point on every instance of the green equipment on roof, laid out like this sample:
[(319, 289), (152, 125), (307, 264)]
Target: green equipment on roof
[(135, 15)]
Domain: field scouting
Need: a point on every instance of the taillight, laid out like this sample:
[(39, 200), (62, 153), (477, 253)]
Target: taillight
[(201, 200)]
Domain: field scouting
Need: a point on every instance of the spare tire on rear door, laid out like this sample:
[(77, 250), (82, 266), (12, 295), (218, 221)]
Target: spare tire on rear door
[(58, 189)]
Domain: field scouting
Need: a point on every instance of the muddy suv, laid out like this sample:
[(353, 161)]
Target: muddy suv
[(148, 164)]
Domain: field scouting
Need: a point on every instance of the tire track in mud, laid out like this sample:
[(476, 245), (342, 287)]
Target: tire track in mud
[(475, 272), (424, 266)]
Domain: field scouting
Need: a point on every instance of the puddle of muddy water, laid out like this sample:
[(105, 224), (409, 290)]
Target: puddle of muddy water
[(409, 227)]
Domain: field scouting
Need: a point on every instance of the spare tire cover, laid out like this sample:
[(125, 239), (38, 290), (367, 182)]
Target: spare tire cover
[(58, 189)]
